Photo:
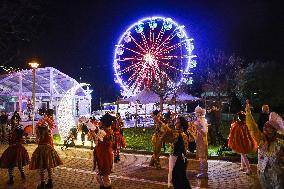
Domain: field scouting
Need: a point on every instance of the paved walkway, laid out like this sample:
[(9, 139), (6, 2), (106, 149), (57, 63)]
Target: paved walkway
[(132, 172)]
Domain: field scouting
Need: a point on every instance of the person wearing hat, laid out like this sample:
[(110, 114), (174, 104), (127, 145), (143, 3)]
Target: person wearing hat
[(201, 140), (270, 149), (45, 156), (103, 152), (16, 154), (241, 141)]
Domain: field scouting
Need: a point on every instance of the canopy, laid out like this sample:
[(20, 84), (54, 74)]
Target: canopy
[(146, 96), (182, 97), (48, 82)]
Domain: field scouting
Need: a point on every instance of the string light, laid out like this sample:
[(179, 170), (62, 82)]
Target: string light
[(65, 116)]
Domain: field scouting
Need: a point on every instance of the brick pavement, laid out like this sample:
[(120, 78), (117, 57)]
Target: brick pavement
[(132, 172)]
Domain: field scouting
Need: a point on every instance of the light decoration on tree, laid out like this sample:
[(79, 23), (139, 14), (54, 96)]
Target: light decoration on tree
[(150, 49), (10, 69), (65, 116)]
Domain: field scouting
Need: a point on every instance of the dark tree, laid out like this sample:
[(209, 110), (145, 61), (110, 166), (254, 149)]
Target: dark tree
[(20, 23), (216, 73), (262, 83)]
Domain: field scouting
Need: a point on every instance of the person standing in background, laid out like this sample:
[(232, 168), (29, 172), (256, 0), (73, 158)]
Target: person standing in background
[(263, 117), (3, 126)]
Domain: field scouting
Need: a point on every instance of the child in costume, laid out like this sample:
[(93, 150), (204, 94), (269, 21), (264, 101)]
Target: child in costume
[(201, 140), (241, 141), (270, 150), (45, 157), (15, 155), (103, 152), (118, 138)]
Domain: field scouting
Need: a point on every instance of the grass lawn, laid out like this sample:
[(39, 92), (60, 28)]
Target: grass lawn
[(140, 139)]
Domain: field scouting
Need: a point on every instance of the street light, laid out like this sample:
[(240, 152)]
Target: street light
[(34, 66)]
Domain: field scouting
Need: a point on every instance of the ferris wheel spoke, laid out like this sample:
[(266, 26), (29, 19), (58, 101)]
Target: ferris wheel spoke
[(133, 51), (129, 68), (167, 65), (152, 39), (167, 40), (134, 40), (170, 48), (159, 38), (134, 74), (145, 43), (169, 57), (127, 59)]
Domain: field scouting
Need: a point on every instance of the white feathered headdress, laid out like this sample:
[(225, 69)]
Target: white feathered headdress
[(199, 111), (276, 122)]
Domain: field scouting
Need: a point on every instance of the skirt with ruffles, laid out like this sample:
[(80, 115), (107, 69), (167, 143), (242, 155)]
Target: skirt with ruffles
[(15, 155), (240, 139), (45, 157)]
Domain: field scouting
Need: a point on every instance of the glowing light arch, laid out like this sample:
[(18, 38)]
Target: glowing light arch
[(65, 117), (149, 54)]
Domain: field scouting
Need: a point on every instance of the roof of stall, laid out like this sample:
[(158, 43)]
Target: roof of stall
[(48, 82)]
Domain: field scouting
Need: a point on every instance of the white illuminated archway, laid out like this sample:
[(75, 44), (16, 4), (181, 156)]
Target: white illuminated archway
[(65, 117)]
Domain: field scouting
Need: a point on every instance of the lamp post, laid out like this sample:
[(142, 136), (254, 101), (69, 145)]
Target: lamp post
[(34, 66)]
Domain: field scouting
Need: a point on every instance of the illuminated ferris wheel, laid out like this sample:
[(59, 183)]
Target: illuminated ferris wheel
[(151, 49)]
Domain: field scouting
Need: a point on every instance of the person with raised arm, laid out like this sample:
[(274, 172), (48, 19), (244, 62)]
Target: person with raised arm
[(270, 149)]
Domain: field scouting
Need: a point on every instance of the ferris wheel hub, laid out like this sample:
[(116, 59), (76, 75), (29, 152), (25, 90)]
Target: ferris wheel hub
[(149, 59)]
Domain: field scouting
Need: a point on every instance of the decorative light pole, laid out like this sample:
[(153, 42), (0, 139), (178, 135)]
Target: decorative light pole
[(34, 65)]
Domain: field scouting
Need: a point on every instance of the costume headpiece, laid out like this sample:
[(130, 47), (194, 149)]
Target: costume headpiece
[(199, 111), (107, 119), (276, 122), (156, 112)]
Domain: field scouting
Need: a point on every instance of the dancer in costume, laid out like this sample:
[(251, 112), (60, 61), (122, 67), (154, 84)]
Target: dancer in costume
[(177, 160), (103, 152), (91, 124), (118, 138), (241, 141), (45, 157), (270, 150), (156, 140), (15, 155), (201, 140), (192, 135)]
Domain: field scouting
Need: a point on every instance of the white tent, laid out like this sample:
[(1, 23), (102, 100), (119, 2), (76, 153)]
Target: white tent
[(50, 86), (182, 97), (146, 96)]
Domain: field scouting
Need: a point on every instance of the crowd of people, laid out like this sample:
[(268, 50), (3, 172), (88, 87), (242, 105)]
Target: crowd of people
[(245, 136), (183, 136)]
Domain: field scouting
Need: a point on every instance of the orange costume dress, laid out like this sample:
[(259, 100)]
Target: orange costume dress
[(45, 156), (240, 139)]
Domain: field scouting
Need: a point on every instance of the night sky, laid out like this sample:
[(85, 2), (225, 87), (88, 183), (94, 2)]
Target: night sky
[(83, 33)]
